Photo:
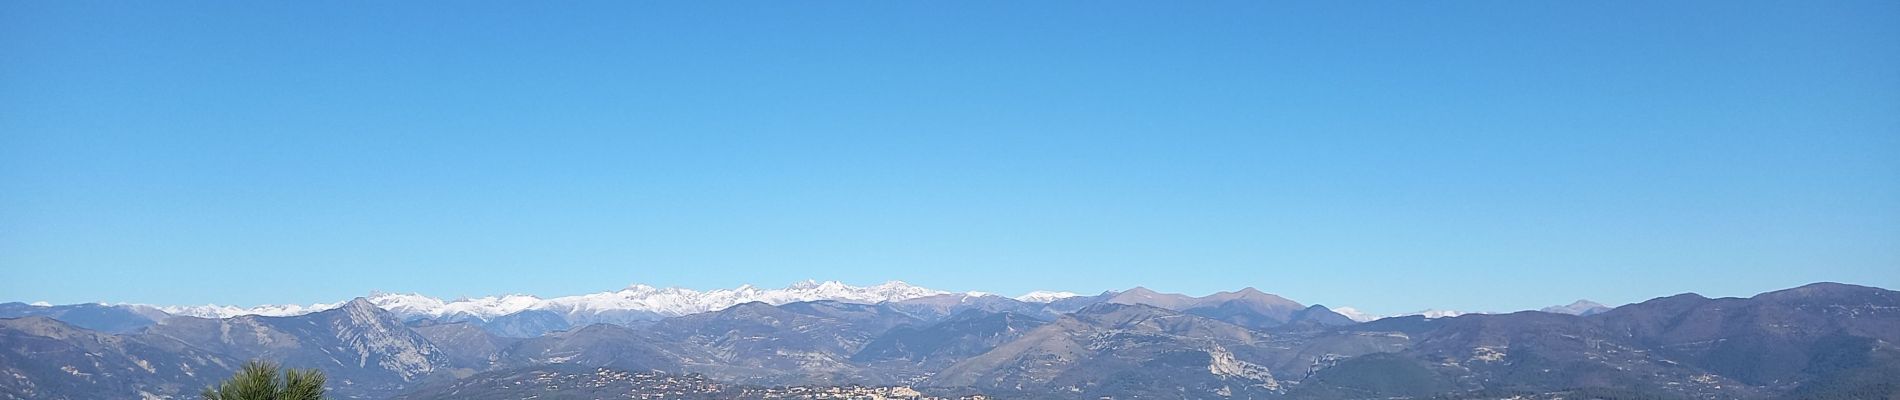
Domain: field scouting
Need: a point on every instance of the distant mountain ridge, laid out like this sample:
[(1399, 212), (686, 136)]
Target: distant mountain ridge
[(643, 303), (634, 299), (1817, 341), (648, 302), (519, 315)]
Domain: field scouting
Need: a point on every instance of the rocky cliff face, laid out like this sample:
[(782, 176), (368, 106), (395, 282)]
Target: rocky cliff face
[(365, 350)]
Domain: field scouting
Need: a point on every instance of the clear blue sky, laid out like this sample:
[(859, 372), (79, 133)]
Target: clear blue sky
[(1392, 155)]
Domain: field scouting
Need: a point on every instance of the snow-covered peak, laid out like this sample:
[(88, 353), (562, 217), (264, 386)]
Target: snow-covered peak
[(217, 311), (406, 304), (894, 285), (837, 291), (1355, 315), (1433, 313), (1436, 313), (678, 301), (1044, 296)]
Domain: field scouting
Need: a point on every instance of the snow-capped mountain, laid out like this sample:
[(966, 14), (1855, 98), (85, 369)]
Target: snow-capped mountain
[(1361, 316), (1436, 313), (218, 311), (633, 302), (1044, 296), (1355, 314)]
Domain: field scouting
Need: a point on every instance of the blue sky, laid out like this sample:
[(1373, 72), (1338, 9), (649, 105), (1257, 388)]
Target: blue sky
[(1391, 156)]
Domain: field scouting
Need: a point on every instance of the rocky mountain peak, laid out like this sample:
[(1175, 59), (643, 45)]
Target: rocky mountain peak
[(1251, 295), (362, 304)]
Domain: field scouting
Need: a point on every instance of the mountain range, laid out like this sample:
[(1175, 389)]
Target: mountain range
[(1825, 340), (519, 315)]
